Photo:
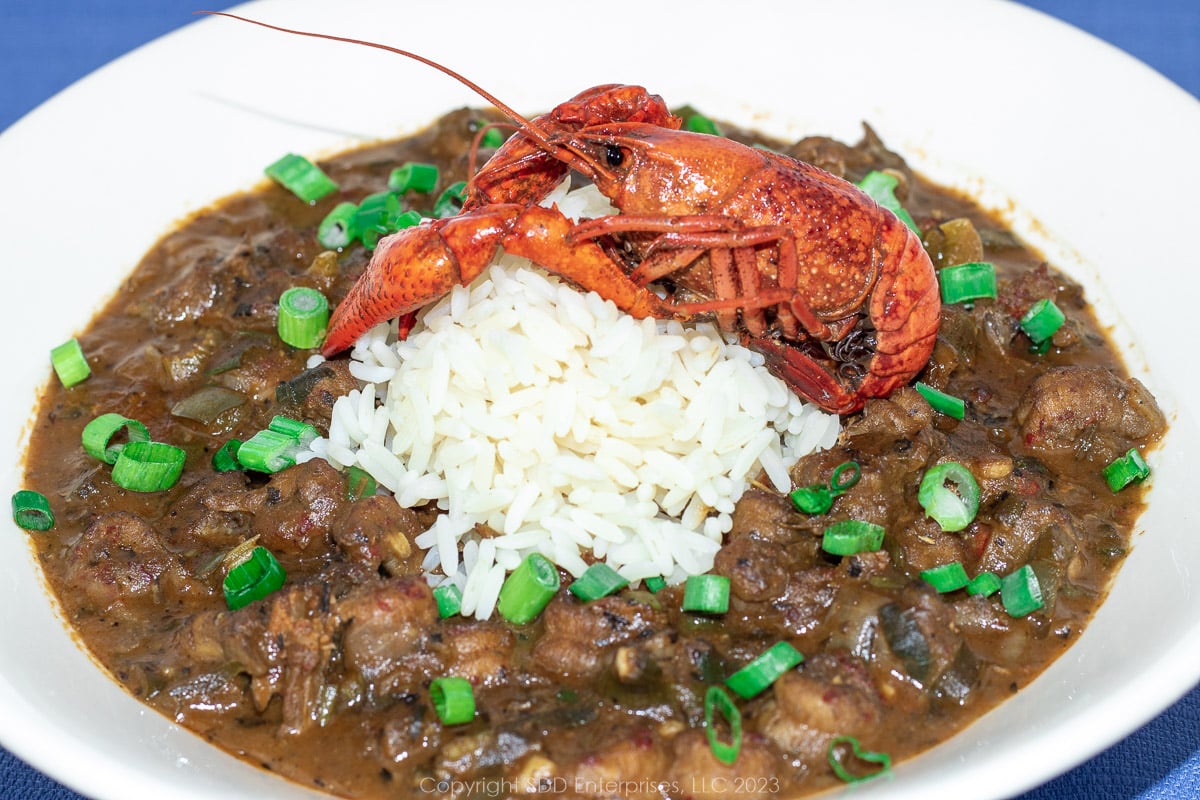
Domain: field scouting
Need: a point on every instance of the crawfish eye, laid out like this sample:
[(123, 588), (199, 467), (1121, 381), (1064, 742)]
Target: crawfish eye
[(614, 155)]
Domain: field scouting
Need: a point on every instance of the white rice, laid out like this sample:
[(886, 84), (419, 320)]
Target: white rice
[(565, 426)]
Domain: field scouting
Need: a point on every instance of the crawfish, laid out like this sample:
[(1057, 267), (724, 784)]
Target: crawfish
[(809, 271)]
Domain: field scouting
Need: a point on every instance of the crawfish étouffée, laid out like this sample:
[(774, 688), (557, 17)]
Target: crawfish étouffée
[(326, 680)]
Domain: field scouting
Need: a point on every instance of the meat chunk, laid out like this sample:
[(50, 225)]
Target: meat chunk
[(195, 521), (377, 532), (295, 512), (1088, 412), (699, 775), (579, 638), (756, 569), (120, 565), (283, 642), (386, 623), (481, 652), (829, 696), (312, 393)]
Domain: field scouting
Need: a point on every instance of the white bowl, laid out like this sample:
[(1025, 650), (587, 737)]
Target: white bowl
[(1075, 140)]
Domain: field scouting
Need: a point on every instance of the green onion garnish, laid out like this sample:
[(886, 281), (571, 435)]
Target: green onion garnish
[(148, 466), (1021, 592), (1042, 320), (698, 123), (31, 510), (655, 583), (415, 176), (337, 229), (946, 577), (881, 187), (69, 362), (303, 433), (253, 579), (303, 315), (225, 459), (985, 583), (453, 699), (492, 138), (818, 499), (1129, 468), (449, 600), (376, 216), (528, 589), (706, 594), (98, 435), (598, 580), (839, 769), (952, 508), (717, 699), (450, 202), (301, 177), (764, 670), (850, 536), (964, 283), (359, 483), (268, 451), (941, 402)]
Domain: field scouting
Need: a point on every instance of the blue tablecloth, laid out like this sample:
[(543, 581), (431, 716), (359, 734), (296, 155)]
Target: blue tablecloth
[(45, 46)]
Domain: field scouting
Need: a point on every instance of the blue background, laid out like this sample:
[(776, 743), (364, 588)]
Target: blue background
[(45, 45)]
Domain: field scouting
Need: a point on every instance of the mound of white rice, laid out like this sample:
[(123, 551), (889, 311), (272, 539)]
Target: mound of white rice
[(564, 426)]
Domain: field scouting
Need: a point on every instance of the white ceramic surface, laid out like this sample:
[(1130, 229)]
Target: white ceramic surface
[(1080, 143)]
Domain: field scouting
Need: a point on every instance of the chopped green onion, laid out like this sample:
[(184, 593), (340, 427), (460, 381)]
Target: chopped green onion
[(449, 600), (764, 670), (492, 138), (31, 510), (225, 459), (850, 536), (946, 577), (303, 433), (598, 580), (655, 583), (1042, 320), (985, 583), (1129, 468), (952, 508), (839, 769), (881, 187), (148, 466), (964, 283), (815, 499), (528, 589), (414, 176), (453, 699), (301, 177), (69, 362), (268, 451), (818, 499), (303, 315), (337, 229), (253, 579), (375, 216), (359, 483), (717, 699), (1021, 592), (698, 123), (450, 202), (98, 435), (707, 594), (942, 403)]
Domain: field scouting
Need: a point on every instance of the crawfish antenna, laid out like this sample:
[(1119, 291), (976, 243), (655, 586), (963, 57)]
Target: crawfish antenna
[(525, 124)]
